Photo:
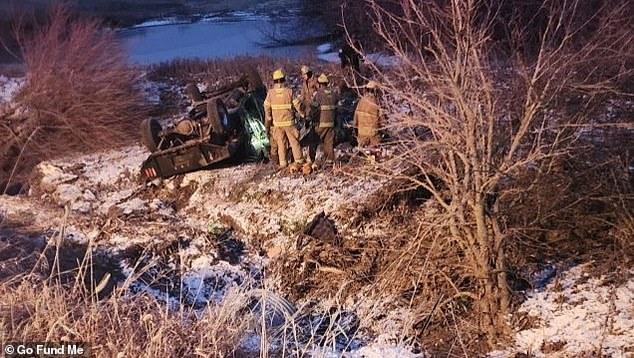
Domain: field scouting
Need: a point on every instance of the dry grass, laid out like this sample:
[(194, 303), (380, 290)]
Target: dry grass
[(131, 326), (212, 71), (79, 95), (53, 295), (50, 291)]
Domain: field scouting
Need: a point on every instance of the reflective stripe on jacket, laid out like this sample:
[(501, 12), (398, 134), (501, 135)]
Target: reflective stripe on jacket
[(278, 106), (326, 100)]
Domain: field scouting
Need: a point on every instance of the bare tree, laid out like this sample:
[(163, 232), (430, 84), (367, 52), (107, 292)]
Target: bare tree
[(80, 94), (472, 120)]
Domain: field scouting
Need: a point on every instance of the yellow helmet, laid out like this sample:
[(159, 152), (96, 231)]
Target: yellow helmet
[(372, 85), (278, 75), (322, 78), (305, 69)]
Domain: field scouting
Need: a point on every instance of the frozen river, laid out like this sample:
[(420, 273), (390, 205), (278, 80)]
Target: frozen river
[(240, 34)]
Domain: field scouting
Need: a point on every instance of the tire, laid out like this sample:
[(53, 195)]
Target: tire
[(192, 91), (218, 118), (150, 130)]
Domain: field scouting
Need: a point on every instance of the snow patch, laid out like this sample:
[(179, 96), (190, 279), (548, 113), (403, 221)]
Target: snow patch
[(78, 199), (97, 169), (275, 206), (52, 176), (209, 282), (245, 16), (114, 199), (329, 57), (382, 60), (135, 205), (374, 350), (152, 91), (9, 87), (325, 48), (378, 59), (384, 351), (232, 16), (160, 22), (578, 315)]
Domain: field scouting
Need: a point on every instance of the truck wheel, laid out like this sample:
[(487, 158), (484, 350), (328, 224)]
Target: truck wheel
[(218, 118), (150, 129), (192, 91)]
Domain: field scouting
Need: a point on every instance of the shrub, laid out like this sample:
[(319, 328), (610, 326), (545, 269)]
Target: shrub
[(487, 131), (79, 95)]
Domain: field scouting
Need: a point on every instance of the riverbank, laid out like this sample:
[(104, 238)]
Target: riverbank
[(137, 15), (126, 13)]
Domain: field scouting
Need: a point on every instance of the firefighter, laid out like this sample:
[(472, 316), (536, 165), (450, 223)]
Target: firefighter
[(279, 114), (309, 87), (367, 117), (351, 60), (324, 107), (349, 56), (308, 90)]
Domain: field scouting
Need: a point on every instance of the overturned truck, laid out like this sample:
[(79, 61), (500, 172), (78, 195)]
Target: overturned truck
[(224, 123)]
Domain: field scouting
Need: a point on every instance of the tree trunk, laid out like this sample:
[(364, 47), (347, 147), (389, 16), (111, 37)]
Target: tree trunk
[(491, 270)]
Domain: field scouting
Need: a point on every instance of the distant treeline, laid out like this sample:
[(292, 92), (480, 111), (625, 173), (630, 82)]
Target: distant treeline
[(121, 13), (358, 17)]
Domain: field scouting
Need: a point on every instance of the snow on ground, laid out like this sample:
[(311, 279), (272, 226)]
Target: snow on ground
[(273, 206), (94, 182), (253, 199), (152, 90), (356, 347), (165, 234), (381, 59), (240, 16), (329, 56), (9, 87), (578, 315), (160, 22), (225, 16), (574, 315), (106, 205), (104, 169), (325, 48), (378, 59), (374, 350), (383, 351)]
